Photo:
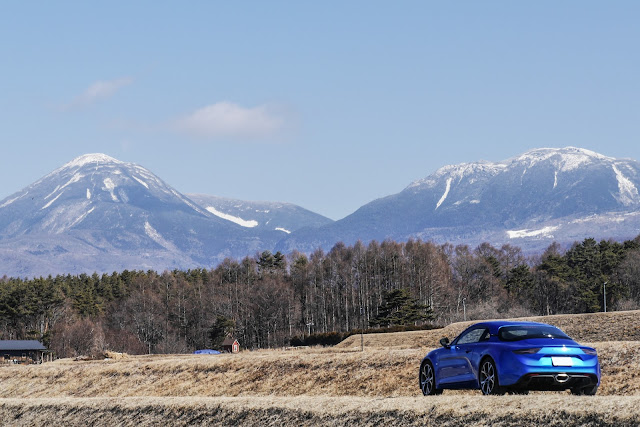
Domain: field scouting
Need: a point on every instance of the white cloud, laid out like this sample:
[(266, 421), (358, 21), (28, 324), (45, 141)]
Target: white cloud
[(226, 119), (99, 90)]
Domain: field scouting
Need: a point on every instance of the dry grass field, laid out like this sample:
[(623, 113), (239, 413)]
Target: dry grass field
[(611, 326), (552, 410), (316, 386)]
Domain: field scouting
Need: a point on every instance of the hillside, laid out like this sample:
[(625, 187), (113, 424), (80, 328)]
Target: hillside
[(591, 327)]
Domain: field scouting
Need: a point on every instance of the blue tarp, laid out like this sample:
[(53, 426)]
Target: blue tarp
[(206, 351)]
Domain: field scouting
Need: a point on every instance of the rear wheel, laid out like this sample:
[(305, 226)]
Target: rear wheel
[(585, 391), (428, 380), (488, 378)]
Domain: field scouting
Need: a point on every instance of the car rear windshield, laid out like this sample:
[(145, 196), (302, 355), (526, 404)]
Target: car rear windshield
[(525, 332)]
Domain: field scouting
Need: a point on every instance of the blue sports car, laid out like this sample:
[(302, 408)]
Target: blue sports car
[(503, 356)]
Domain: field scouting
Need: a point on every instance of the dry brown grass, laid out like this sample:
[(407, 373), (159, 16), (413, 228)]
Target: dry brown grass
[(552, 410), (376, 372), (314, 386), (285, 373), (592, 327)]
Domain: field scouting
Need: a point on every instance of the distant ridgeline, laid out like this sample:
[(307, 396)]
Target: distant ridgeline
[(266, 300)]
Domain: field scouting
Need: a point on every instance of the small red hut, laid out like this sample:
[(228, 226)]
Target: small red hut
[(231, 345)]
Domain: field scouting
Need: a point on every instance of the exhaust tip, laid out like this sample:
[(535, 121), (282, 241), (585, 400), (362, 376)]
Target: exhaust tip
[(561, 378)]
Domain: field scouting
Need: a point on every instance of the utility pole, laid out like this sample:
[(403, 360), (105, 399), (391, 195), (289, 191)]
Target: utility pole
[(604, 295), (361, 329)]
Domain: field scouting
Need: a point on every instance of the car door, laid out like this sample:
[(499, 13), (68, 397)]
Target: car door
[(456, 365)]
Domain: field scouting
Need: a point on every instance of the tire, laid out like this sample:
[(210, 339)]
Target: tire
[(585, 391), (488, 378), (427, 379)]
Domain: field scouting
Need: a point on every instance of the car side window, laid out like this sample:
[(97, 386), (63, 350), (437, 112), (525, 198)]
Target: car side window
[(474, 336)]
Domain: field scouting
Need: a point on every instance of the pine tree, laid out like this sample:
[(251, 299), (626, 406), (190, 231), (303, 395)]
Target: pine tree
[(399, 308), (222, 328)]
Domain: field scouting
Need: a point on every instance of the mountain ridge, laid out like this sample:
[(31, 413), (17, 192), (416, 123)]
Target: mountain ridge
[(469, 202), (97, 213)]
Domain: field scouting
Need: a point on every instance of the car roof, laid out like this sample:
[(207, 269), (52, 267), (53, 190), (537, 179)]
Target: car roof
[(500, 323), (494, 325)]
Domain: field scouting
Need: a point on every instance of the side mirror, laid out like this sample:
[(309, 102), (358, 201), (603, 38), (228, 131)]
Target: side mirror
[(444, 341)]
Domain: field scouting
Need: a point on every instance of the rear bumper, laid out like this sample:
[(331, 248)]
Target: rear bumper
[(539, 371), (556, 381)]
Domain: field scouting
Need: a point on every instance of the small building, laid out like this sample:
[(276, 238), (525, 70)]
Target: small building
[(230, 345), (23, 351)]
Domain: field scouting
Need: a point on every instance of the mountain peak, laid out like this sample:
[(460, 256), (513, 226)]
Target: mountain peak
[(91, 158), (570, 150), (565, 159)]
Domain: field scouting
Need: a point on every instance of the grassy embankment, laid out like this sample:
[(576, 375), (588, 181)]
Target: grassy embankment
[(339, 385)]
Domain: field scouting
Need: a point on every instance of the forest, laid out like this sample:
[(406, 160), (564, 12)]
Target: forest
[(271, 300)]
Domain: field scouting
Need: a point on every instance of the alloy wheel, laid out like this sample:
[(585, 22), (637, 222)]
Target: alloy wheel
[(427, 379), (487, 377)]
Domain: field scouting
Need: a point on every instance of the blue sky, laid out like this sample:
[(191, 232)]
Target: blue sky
[(328, 105)]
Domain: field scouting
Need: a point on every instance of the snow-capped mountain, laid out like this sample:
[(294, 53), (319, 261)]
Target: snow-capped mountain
[(530, 200), (97, 213), (261, 216)]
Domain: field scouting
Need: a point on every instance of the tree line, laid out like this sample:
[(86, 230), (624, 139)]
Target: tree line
[(269, 299)]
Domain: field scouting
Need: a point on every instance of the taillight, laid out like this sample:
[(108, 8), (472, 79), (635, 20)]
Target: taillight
[(527, 351), (590, 351)]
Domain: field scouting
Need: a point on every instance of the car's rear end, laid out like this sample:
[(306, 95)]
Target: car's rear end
[(548, 363)]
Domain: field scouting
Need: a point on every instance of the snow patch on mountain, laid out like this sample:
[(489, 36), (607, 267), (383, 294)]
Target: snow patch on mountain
[(283, 230), (157, 237), (543, 232), (110, 187), (237, 220), (144, 184), (8, 202), (51, 201), (75, 178), (147, 176), (88, 194), (628, 191), (446, 193), (62, 218), (52, 193), (81, 217)]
